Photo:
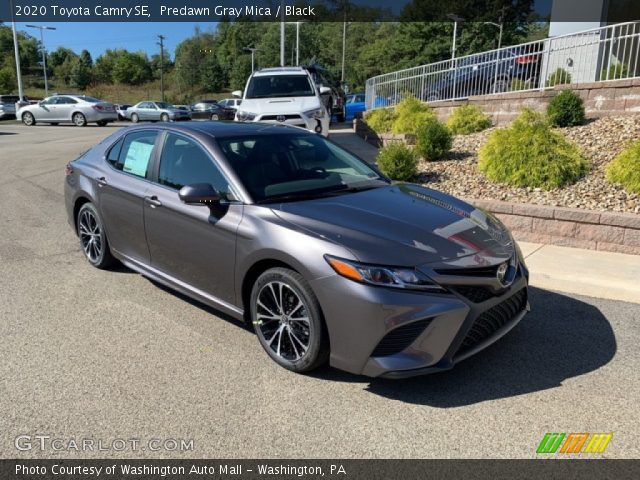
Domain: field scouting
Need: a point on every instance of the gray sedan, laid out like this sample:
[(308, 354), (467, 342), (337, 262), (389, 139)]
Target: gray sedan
[(76, 109), (156, 111), (324, 257)]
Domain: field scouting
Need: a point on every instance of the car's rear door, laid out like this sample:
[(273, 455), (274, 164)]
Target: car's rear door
[(191, 243), (122, 189), (64, 108)]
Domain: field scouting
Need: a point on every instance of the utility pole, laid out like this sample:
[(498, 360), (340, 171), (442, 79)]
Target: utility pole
[(297, 24), (161, 43), (17, 54), (44, 55), (282, 33), (253, 54), (344, 39)]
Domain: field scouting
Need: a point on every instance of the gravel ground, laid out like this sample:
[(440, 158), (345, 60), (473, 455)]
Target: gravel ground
[(600, 140)]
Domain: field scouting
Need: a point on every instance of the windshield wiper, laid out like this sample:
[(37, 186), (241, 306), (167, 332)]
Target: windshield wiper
[(292, 197)]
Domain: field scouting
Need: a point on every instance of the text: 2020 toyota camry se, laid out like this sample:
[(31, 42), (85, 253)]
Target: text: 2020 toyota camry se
[(323, 255)]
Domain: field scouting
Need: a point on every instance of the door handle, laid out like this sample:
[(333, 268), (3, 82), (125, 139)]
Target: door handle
[(153, 201), (101, 181)]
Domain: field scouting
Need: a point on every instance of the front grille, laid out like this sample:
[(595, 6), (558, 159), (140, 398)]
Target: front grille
[(397, 340), (493, 319), (475, 294), (470, 272)]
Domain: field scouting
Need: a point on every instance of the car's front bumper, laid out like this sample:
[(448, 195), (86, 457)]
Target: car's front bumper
[(316, 125), (382, 332)]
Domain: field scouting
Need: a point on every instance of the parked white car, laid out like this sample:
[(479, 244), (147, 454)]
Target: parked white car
[(284, 95), (76, 109)]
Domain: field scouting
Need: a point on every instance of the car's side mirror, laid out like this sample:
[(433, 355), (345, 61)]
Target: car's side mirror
[(199, 194), (325, 90), (237, 93)]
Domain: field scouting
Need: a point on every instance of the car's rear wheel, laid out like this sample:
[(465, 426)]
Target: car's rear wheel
[(500, 85), (164, 117), (28, 119), (102, 123), (288, 321), (79, 120), (93, 238), (215, 117), (135, 118)]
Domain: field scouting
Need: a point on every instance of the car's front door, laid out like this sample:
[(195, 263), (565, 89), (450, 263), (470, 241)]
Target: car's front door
[(46, 109), (64, 108), (191, 243), (121, 191)]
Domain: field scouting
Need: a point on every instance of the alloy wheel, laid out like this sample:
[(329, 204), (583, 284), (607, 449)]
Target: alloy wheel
[(28, 119), (79, 120), (283, 321), (90, 235)]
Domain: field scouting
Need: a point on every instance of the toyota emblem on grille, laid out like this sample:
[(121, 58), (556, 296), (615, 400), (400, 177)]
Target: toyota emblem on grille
[(502, 272), (281, 118)]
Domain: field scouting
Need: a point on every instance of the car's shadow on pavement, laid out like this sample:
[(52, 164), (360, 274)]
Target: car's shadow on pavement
[(560, 338)]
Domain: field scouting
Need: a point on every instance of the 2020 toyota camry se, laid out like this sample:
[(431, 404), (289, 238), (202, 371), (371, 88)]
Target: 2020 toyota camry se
[(323, 255)]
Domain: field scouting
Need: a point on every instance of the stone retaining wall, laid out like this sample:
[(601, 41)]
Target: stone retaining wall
[(570, 227), (613, 97)]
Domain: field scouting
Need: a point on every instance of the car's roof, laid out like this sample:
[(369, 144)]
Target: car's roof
[(280, 71), (227, 129)]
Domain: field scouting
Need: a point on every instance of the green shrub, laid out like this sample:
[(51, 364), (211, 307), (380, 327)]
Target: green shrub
[(380, 120), (615, 72), (566, 110), (398, 161), (530, 154), (468, 119), (433, 139), (410, 113), (625, 168), (559, 77)]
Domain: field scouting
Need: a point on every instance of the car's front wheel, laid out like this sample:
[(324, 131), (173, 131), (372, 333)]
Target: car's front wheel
[(28, 119), (93, 239), (288, 321)]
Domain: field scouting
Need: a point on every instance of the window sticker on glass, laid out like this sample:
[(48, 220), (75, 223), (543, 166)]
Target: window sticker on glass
[(137, 158)]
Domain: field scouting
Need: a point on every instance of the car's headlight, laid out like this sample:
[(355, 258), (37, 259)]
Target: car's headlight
[(315, 113), (243, 116), (383, 276)]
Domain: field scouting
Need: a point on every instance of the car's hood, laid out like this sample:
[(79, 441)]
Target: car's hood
[(404, 224), (279, 105)]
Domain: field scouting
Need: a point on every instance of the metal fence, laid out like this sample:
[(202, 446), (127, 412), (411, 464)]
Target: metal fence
[(600, 54)]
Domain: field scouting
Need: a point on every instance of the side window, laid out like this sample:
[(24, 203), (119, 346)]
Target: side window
[(133, 154), (114, 154), (183, 162)]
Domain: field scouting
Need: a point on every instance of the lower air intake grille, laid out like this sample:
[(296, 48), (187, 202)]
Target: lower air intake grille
[(397, 340), (493, 319)]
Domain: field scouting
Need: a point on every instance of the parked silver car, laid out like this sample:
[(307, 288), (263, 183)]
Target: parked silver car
[(76, 109), (8, 105), (157, 111)]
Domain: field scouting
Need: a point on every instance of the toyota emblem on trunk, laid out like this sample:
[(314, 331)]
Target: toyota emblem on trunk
[(281, 118)]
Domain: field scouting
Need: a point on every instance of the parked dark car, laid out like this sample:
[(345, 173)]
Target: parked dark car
[(322, 255), (485, 73), (211, 110), (335, 101)]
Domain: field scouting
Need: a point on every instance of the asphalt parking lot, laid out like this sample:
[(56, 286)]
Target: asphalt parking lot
[(92, 354)]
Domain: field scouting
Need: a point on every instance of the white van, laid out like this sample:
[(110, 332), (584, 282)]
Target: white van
[(285, 95)]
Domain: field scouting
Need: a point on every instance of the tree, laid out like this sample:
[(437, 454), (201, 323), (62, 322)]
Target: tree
[(81, 71), (131, 68), (240, 72), (7, 80), (213, 77)]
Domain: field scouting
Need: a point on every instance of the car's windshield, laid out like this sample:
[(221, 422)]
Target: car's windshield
[(280, 86), (290, 167)]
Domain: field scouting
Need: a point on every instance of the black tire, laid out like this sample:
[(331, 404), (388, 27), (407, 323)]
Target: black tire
[(102, 123), (28, 119), (501, 85), (135, 118), (79, 120), (312, 332), (99, 254), (164, 117), (215, 117), (54, 123)]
